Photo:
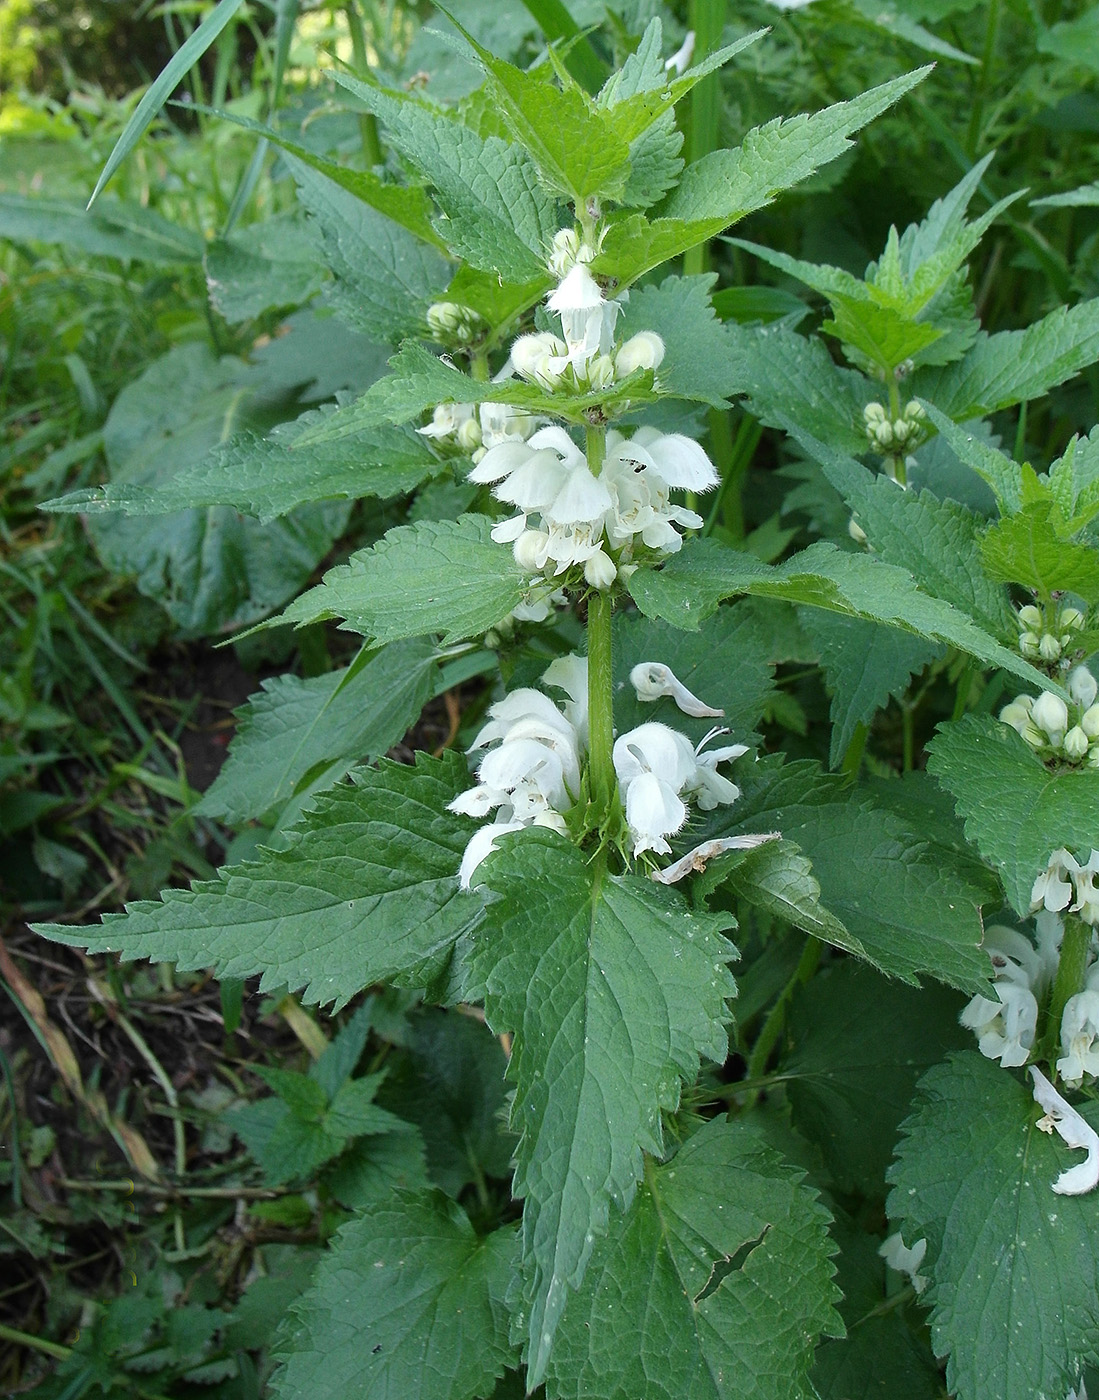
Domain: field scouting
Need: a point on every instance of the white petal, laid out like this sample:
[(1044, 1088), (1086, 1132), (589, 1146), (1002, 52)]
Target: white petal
[(579, 291), (508, 531), (500, 461), (681, 462), (535, 483), (582, 498), (479, 845), (653, 811), (1074, 1131), (652, 680), (654, 748)]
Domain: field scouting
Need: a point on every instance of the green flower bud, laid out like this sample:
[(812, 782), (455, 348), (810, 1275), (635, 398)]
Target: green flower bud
[(1050, 713), (1089, 722), (1017, 716), (1029, 645), (1076, 744), (1030, 618), (1049, 647)]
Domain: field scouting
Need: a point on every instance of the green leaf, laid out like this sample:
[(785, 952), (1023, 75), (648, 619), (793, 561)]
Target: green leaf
[(690, 586), (271, 476), (1006, 1256), (274, 265), (497, 216), (732, 183), (304, 1097), (210, 569), (293, 727), (936, 541), (117, 229), (859, 1043), (367, 892), (1017, 811), (407, 205), (716, 1285), (614, 990), (991, 465), (372, 1168), (779, 879), (158, 92), (386, 278), (354, 1113), (865, 665), (337, 1064), (575, 145), (452, 1086), (448, 576), (698, 358), (924, 916), (1032, 548), (407, 1302), (286, 1146), (1013, 366), (1074, 41)]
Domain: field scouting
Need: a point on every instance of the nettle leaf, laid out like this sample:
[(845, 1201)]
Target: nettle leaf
[(1033, 548), (937, 541), (1016, 810), (925, 913), (1074, 480), (716, 1285), (1013, 1266), (698, 356), (858, 1045), (274, 264), (865, 665), (270, 476), (497, 216), (386, 277), (788, 379), (576, 146), (445, 576), (366, 892), (615, 990), (724, 663), (407, 1302), (1013, 366), (691, 585), (296, 726), (407, 205), (777, 877), (420, 380)]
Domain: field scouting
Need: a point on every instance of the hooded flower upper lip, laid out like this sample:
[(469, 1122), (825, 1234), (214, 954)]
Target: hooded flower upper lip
[(1073, 1130), (655, 766)]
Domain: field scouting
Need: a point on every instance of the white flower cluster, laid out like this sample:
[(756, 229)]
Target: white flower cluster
[(1022, 974), (906, 1261), (1062, 879), (1044, 639), (530, 774), (477, 428), (453, 324), (568, 516), (894, 435), (1054, 730)]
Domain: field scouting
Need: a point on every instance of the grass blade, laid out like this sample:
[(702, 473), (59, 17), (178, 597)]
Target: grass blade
[(185, 58)]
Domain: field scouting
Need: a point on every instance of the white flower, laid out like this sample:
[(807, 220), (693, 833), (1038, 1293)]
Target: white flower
[(566, 246), (642, 351), (652, 680), (1079, 1029), (479, 845), (1076, 744), (1014, 958), (570, 674), (599, 570), (906, 1261), (1073, 1130), (500, 422), (655, 764), (1050, 713), (640, 473), (1082, 686), (1053, 887), (1005, 1030), (710, 787), (699, 856), (1089, 721), (447, 420), (680, 60), (540, 358), (1087, 896), (1050, 929), (587, 317)]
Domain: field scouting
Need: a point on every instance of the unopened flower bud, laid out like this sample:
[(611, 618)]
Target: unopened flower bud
[(874, 413), (642, 351), (1076, 744), (447, 321), (1072, 618), (566, 245), (600, 372), (882, 434), (1030, 645), (1082, 686), (1030, 618), (599, 570), (531, 355), (1093, 757), (1051, 714), (1089, 722), (528, 547), (914, 412), (902, 430), (1016, 715), (469, 434), (1049, 648), (855, 530), (1034, 736)]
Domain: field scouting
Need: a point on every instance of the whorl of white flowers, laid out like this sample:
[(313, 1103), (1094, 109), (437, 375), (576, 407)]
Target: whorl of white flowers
[(1005, 1028), (1047, 638), (1065, 884), (1056, 731), (476, 429)]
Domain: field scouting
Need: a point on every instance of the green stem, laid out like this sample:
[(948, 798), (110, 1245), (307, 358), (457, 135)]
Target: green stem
[(1070, 976), (601, 777), (776, 1019), (992, 30), (24, 1339), (368, 126), (478, 365)]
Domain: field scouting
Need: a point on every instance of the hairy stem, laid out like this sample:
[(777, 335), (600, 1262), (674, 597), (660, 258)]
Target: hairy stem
[(600, 684), (1070, 976)]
